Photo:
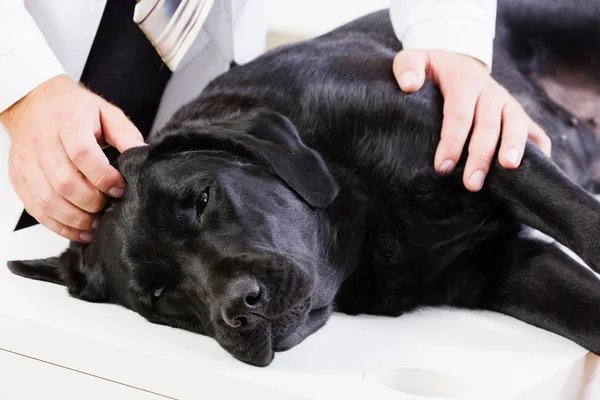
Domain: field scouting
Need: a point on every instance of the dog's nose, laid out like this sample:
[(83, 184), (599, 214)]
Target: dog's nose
[(242, 303)]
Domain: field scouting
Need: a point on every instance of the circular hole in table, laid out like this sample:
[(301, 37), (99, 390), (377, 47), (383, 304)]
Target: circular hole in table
[(419, 383)]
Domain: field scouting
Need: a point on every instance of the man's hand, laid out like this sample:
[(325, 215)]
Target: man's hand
[(472, 99), (56, 163)]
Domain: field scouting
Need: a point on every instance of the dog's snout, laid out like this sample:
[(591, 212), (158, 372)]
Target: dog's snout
[(243, 303)]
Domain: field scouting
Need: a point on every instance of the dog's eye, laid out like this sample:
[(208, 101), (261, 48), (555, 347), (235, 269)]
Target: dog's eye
[(158, 293), (202, 202)]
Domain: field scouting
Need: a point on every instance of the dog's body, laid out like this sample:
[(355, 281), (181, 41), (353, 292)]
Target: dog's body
[(304, 180)]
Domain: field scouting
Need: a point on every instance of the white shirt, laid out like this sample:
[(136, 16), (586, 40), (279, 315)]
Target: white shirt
[(40, 39)]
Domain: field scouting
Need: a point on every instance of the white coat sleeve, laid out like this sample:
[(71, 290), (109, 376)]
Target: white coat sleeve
[(26, 60), (460, 26)]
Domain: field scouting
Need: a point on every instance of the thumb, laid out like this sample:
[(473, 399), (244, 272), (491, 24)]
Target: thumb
[(409, 68), (117, 129)]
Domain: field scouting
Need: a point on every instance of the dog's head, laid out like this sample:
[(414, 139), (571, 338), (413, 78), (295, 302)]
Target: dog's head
[(219, 232)]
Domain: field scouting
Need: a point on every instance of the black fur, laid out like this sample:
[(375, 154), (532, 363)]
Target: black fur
[(303, 182)]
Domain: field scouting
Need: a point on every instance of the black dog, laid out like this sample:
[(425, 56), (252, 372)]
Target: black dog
[(303, 182)]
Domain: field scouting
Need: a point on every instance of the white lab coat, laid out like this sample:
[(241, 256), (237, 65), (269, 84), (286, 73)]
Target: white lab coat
[(462, 26), (40, 39)]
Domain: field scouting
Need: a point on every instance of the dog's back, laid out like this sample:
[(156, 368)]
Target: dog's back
[(338, 104), (349, 91)]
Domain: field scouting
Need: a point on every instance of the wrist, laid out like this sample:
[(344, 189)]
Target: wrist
[(10, 116), (57, 84)]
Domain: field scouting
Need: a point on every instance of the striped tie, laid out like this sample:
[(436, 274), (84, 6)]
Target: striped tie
[(171, 25)]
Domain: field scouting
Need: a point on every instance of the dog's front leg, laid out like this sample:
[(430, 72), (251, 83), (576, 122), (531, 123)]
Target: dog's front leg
[(540, 195)]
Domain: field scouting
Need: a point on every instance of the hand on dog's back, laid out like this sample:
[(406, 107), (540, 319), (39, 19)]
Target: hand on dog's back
[(473, 101)]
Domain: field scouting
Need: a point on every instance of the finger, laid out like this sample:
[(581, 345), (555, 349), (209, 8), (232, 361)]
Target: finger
[(45, 202), (63, 230), (118, 130), (80, 144), (410, 68), (484, 140), (70, 183), (459, 108), (539, 137), (20, 184), (514, 135)]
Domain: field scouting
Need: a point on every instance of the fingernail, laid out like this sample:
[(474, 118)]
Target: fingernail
[(86, 236), (512, 156), (116, 191), (476, 179), (95, 224), (447, 167), (407, 79)]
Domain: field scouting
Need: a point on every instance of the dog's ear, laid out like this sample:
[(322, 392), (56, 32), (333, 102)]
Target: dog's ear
[(130, 162), (82, 281), (269, 138), (276, 141)]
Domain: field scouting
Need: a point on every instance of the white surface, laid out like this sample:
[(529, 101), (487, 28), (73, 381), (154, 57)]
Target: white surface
[(501, 358), (44, 378)]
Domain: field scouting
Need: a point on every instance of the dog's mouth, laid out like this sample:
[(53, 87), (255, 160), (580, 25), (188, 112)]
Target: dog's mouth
[(257, 346), (285, 326), (312, 321)]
